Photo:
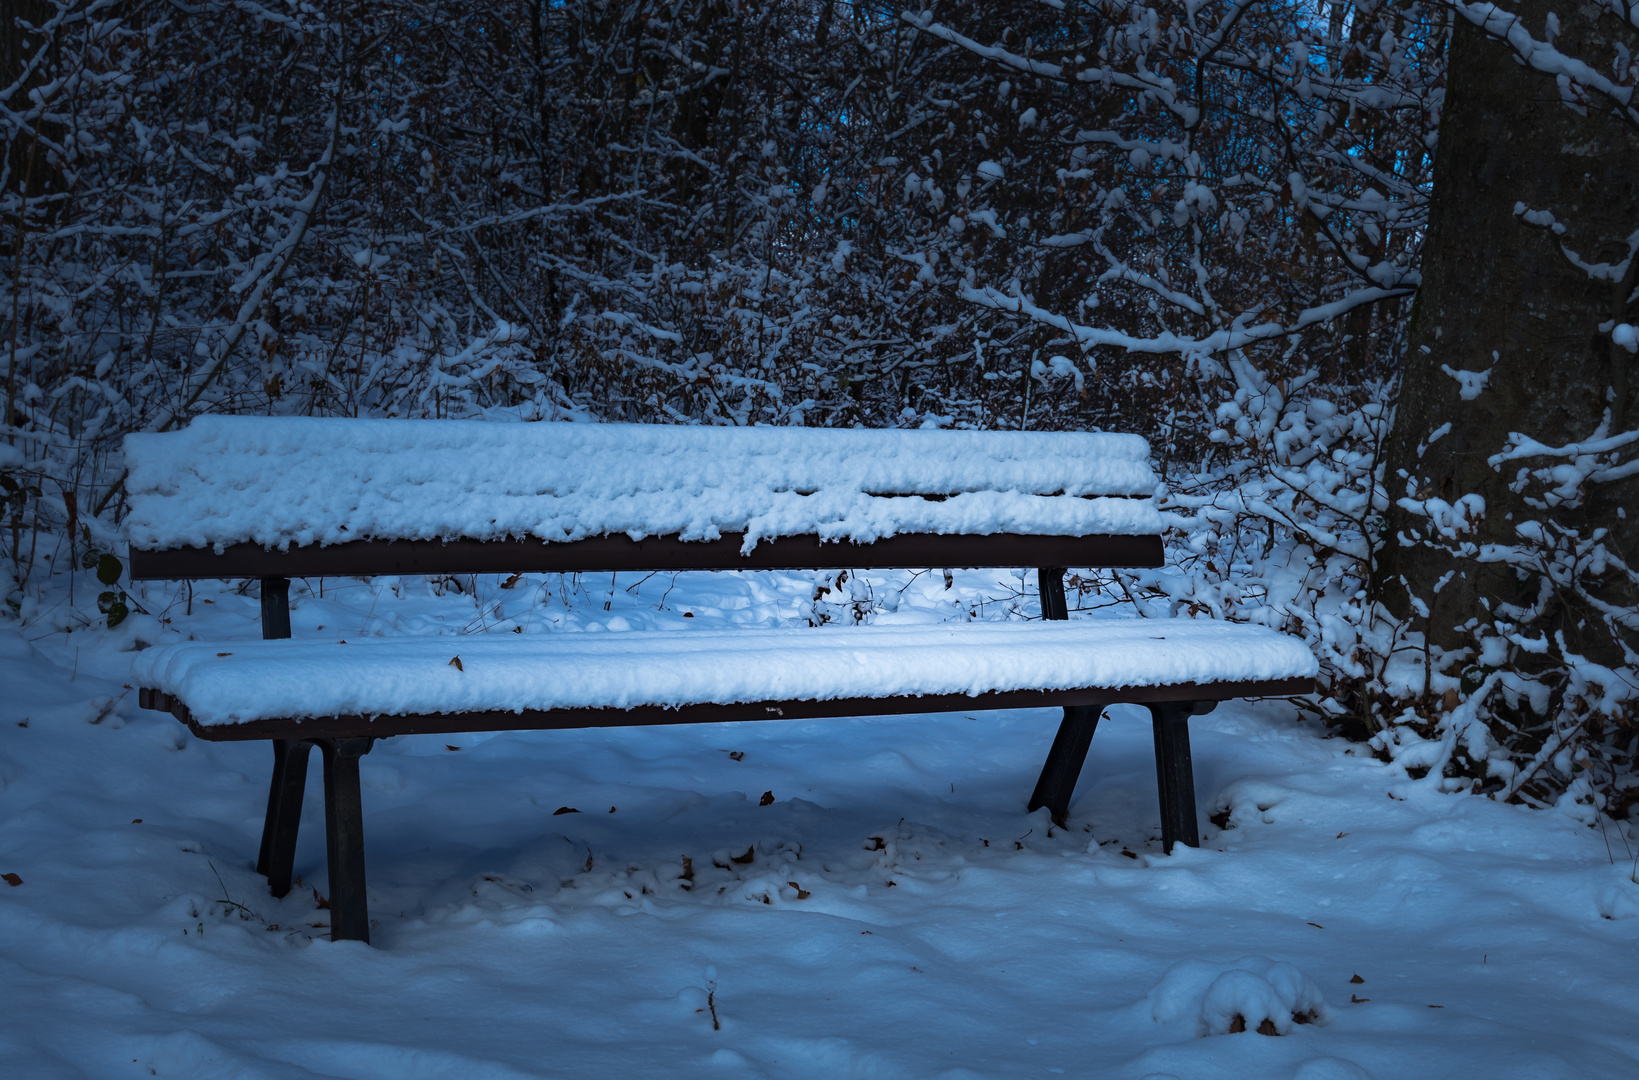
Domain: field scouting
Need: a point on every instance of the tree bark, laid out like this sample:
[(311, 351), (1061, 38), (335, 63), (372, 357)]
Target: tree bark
[(1499, 296)]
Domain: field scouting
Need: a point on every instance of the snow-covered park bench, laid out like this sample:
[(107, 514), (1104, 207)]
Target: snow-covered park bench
[(275, 499)]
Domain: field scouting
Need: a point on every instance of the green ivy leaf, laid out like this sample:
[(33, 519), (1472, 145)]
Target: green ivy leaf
[(112, 604), (109, 569)]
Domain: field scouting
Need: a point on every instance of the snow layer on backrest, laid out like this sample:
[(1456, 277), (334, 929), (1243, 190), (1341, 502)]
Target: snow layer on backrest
[(254, 680), (284, 481)]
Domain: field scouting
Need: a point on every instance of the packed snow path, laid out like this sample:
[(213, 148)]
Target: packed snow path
[(939, 931)]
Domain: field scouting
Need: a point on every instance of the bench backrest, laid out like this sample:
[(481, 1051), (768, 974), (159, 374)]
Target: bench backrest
[(288, 497)]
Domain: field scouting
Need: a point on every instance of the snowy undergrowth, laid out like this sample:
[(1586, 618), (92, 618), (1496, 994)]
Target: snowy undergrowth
[(890, 911)]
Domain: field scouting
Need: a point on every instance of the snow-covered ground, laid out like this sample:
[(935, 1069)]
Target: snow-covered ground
[(892, 912)]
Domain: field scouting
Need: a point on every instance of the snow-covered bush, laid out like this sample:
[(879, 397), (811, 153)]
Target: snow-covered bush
[(1275, 525), (1541, 704)]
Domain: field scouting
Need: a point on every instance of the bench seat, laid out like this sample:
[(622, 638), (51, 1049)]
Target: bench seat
[(392, 686)]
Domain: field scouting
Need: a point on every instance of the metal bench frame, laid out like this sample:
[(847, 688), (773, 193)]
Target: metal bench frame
[(343, 740)]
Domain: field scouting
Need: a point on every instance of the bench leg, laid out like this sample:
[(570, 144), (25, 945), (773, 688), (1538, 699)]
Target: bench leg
[(284, 813), (344, 838), (1058, 777), (1174, 771)]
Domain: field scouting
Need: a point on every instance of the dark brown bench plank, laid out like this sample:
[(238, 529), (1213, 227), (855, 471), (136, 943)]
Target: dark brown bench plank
[(365, 558), (562, 719)]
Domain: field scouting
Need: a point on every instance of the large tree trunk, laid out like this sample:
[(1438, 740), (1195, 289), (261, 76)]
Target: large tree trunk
[(1499, 296)]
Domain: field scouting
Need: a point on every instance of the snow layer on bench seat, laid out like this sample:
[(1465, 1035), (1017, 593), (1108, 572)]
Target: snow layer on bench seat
[(301, 481), (244, 681)]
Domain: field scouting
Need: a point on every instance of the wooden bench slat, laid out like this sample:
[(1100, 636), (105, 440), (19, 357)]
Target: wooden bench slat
[(614, 553), (652, 715)]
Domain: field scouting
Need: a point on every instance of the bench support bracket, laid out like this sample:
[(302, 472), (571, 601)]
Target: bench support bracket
[(284, 813), (1055, 605), (275, 607), (1058, 776), (344, 838), (1175, 772)]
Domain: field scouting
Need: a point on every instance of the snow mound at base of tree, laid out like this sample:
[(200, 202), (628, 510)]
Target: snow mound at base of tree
[(1249, 994), (283, 481)]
